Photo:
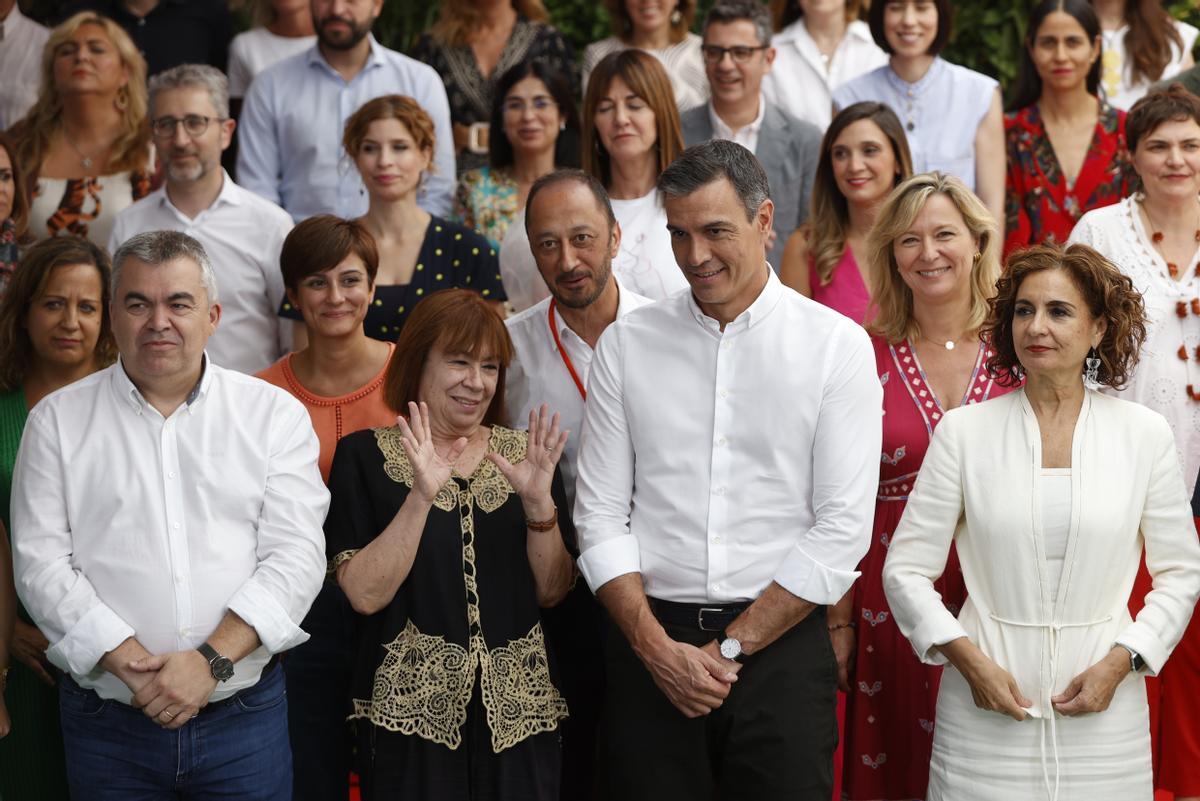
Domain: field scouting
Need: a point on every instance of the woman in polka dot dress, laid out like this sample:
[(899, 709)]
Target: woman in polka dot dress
[(390, 140)]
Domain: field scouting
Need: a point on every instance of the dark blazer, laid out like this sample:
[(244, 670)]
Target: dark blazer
[(788, 150)]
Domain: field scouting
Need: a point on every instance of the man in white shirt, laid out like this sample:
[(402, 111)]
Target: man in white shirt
[(167, 538), (574, 237), (737, 57), (21, 43), (290, 145), (241, 232), (727, 474)]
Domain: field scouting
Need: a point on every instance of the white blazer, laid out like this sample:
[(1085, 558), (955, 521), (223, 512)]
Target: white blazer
[(978, 486)]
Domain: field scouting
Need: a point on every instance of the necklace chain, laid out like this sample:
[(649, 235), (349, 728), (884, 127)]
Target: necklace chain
[(84, 159)]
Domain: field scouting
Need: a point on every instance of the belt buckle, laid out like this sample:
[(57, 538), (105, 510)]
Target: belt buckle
[(700, 617)]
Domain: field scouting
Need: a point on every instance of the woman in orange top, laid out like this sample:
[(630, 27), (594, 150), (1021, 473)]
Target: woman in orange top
[(329, 267)]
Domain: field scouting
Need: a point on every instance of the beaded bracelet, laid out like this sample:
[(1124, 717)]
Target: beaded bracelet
[(837, 626)]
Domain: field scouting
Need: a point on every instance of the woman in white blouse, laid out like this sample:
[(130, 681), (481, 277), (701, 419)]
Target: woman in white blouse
[(662, 29), (819, 45), (631, 134), (1142, 44), (1050, 495), (282, 28)]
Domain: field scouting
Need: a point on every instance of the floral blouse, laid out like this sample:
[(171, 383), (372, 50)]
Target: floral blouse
[(486, 201), (1041, 205)]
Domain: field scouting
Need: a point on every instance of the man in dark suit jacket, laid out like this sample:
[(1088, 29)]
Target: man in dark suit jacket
[(737, 54)]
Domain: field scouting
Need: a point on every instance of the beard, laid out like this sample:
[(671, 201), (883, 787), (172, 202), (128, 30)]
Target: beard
[(339, 40), (577, 300), (186, 173)]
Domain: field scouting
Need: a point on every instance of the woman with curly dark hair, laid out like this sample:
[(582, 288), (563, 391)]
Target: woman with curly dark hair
[(1045, 693)]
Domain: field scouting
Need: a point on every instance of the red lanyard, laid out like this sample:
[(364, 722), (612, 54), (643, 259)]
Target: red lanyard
[(566, 358)]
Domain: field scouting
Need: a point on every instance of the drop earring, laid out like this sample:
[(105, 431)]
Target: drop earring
[(676, 16), (1091, 371)]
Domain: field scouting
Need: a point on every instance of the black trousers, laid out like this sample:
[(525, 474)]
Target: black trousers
[(772, 738)]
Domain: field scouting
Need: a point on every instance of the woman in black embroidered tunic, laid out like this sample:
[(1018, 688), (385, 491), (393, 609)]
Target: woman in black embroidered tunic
[(443, 531)]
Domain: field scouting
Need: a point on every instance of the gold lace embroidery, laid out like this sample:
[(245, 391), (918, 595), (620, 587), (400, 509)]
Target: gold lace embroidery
[(424, 684)]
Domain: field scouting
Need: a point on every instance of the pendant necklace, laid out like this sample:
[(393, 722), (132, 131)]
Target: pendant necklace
[(84, 159)]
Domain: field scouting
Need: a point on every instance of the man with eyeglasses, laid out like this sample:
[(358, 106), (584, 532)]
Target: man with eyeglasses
[(737, 57), (242, 232)]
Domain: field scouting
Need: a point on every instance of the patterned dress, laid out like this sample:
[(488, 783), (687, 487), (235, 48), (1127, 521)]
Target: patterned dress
[(486, 202), (890, 709), (453, 694), (86, 207), (1040, 204)]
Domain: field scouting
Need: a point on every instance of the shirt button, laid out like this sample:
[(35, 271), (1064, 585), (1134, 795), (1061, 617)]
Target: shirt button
[(171, 474), (724, 393), (178, 578), (716, 588), (175, 525), (721, 441), (720, 490), (716, 539)]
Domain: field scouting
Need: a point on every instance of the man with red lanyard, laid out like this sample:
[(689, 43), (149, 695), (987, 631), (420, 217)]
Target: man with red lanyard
[(574, 237)]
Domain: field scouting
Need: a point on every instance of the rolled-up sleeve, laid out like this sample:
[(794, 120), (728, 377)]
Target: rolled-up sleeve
[(820, 568), (63, 603), (291, 542), (604, 489), (921, 545)]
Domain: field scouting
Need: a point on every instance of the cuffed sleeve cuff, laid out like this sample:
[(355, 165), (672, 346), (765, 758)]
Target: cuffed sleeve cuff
[(1139, 640), (95, 634), (275, 628), (605, 561), (806, 578), (937, 629)]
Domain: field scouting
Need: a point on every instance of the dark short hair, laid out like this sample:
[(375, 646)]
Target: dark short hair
[(458, 321), (727, 11), (1173, 104), (945, 12), (702, 164), (566, 147), (1108, 293), (576, 176), (28, 283), (321, 243)]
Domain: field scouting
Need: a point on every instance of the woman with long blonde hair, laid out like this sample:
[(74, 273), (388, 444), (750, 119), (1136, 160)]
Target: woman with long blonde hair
[(473, 43), (85, 144), (935, 258), (864, 155)]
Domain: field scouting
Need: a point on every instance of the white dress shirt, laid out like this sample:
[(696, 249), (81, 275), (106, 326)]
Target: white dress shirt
[(126, 524), (243, 235), (538, 374), (801, 84), (21, 43), (290, 132), (714, 463), (746, 136)]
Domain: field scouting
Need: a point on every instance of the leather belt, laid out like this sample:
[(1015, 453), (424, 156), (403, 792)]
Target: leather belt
[(705, 617)]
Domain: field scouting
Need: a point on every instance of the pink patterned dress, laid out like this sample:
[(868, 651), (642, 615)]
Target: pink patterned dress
[(889, 711), (845, 292)]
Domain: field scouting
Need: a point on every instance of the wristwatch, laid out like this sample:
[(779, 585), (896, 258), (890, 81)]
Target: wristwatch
[(730, 647), (221, 666), (1136, 663)]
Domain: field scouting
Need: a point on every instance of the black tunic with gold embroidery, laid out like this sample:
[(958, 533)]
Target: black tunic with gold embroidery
[(453, 673)]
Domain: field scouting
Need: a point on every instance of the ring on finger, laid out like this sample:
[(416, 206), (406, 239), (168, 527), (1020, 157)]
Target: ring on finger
[(170, 716)]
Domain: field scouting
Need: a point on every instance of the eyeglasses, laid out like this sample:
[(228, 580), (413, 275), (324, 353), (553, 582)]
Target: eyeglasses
[(517, 105), (739, 53), (194, 124)]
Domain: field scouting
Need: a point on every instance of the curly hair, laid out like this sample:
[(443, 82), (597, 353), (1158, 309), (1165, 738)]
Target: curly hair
[(1108, 293)]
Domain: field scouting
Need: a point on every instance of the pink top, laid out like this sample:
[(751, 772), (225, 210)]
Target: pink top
[(845, 292)]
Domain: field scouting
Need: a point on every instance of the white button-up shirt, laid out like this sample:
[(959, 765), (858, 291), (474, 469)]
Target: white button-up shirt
[(21, 43), (538, 374), (290, 132), (243, 235), (746, 136), (714, 463), (126, 524)]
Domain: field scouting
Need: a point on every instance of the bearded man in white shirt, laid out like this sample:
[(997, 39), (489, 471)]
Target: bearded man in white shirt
[(167, 533), (574, 236), (727, 471)]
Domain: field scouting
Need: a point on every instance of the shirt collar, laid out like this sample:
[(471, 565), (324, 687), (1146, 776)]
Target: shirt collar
[(129, 392), (903, 86), (230, 193), (624, 301), (755, 313), (374, 58), (723, 131)]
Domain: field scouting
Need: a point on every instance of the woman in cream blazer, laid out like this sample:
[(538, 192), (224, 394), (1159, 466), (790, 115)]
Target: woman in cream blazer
[(1049, 494)]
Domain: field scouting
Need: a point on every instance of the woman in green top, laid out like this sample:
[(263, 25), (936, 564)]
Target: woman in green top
[(54, 329)]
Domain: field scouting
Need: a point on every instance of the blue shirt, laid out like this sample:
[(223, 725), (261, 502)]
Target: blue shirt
[(290, 132), (940, 113)]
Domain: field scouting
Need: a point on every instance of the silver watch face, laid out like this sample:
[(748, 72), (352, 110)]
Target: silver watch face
[(731, 648)]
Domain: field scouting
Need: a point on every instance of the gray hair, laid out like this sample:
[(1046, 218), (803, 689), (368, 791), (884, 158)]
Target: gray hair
[(700, 165), (194, 76), (160, 247), (727, 11), (577, 176)]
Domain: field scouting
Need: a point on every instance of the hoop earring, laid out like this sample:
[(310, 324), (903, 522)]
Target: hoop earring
[(676, 17), (1091, 372), (122, 99)]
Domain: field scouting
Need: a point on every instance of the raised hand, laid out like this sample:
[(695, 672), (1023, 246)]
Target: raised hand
[(431, 470), (532, 477)]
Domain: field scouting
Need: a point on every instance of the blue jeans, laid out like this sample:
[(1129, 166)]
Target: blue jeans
[(236, 748)]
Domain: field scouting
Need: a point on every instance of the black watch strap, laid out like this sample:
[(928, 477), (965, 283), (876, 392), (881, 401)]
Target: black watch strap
[(220, 666)]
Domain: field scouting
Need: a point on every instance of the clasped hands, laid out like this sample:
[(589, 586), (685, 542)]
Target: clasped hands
[(171, 688), (695, 680)]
